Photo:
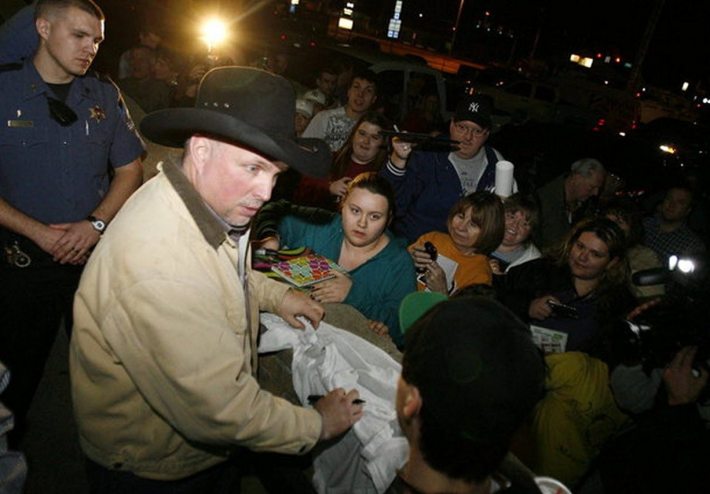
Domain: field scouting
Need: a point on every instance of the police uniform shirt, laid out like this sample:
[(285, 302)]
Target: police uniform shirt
[(58, 174)]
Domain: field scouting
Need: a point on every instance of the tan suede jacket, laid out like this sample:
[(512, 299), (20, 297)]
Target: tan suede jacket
[(162, 362)]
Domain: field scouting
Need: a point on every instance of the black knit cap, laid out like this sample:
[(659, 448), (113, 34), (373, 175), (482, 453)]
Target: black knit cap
[(475, 366)]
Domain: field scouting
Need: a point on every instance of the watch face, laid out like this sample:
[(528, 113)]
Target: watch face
[(99, 225)]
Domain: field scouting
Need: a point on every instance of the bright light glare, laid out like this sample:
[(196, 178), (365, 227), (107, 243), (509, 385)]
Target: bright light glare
[(672, 262), (345, 23), (686, 266), (668, 148), (214, 32)]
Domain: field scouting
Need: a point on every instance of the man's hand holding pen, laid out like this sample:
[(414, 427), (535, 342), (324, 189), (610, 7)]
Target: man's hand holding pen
[(339, 410)]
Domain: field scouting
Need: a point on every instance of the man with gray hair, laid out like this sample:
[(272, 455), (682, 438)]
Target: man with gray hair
[(562, 201)]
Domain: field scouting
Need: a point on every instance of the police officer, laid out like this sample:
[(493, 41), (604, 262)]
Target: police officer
[(69, 159)]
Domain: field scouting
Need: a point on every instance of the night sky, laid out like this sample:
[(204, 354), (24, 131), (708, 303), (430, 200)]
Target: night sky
[(679, 49)]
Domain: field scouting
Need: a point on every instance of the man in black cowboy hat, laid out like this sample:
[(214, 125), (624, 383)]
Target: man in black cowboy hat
[(163, 355)]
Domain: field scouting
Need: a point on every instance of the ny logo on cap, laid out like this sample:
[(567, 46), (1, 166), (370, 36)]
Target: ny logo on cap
[(473, 107)]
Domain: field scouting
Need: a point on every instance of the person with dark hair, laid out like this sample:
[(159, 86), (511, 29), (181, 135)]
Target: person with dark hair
[(150, 36), (163, 356), (364, 151), (663, 382), (326, 82), (475, 227), (378, 272), (334, 126), (69, 158), (639, 257), (587, 277), (522, 218), (148, 92), (667, 232), (429, 183), (471, 375)]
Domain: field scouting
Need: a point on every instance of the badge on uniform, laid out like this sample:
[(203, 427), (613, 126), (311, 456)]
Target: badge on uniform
[(97, 113), (20, 123)]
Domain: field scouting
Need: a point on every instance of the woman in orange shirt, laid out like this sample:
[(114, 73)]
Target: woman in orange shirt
[(475, 226)]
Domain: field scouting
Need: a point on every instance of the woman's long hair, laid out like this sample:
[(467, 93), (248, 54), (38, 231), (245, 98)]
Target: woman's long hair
[(613, 236), (342, 157)]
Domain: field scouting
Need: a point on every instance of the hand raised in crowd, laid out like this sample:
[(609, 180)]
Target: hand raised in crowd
[(436, 278), (640, 309), (75, 243), (340, 187), (495, 266), (296, 303), (338, 411), (334, 290), (270, 243), (193, 79), (400, 152), (378, 327), (540, 308), (683, 383)]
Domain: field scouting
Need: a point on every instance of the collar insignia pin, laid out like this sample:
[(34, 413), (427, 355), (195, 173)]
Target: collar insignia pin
[(97, 113)]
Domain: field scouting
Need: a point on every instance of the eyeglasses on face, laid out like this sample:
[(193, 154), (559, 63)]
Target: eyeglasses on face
[(60, 112), (469, 129)]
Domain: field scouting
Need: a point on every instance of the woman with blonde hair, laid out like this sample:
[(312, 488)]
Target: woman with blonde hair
[(579, 291)]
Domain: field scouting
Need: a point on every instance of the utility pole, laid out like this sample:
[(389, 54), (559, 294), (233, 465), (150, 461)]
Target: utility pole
[(635, 75), (456, 26)]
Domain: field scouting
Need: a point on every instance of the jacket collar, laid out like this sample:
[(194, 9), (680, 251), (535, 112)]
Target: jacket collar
[(214, 231), (33, 85)]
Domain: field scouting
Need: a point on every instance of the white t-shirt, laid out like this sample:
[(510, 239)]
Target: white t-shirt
[(333, 126)]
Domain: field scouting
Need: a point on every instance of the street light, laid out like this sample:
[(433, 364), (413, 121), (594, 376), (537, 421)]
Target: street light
[(214, 32)]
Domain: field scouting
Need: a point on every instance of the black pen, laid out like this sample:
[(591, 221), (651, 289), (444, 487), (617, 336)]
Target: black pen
[(312, 399)]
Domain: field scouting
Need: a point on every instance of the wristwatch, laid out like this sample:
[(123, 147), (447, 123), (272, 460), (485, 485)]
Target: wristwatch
[(98, 224)]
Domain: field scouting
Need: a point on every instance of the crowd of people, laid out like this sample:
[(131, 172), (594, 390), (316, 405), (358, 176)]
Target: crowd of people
[(154, 283)]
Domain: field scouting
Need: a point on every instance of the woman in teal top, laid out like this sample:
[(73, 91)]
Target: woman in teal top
[(379, 270)]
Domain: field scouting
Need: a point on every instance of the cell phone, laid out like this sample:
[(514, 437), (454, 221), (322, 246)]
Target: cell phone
[(562, 310), (430, 249)]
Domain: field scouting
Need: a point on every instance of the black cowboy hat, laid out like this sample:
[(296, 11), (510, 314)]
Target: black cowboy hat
[(247, 106)]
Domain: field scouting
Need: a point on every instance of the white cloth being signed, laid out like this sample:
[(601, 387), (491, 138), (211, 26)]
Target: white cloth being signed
[(366, 459)]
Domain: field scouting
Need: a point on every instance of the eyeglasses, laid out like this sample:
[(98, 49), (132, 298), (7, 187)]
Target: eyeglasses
[(474, 131), (60, 112)]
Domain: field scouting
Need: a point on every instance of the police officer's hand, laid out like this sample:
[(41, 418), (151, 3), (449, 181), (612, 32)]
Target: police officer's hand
[(338, 411), (296, 303), (47, 238), (75, 245), (334, 290)]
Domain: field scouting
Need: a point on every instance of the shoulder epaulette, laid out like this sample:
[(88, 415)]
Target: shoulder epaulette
[(103, 77), (8, 67)]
